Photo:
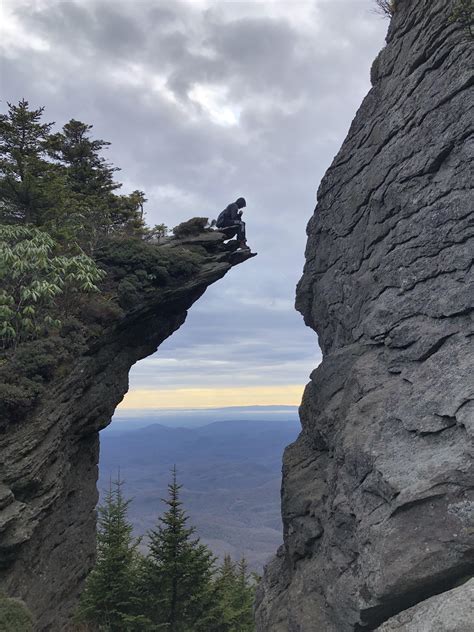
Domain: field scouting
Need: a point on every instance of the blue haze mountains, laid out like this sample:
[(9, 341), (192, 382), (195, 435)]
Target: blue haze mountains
[(230, 471)]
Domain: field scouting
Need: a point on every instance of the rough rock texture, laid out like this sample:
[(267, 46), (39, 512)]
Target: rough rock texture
[(377, 492), (49, 457), (452, 611)]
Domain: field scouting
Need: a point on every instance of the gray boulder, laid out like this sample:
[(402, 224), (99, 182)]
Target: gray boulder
[(453, 611)]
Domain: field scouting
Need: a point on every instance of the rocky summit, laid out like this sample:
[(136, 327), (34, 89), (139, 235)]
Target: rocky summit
[(377, 490), (59, 392)]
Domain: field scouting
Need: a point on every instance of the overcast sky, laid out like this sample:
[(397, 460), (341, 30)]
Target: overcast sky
[(204, 102)]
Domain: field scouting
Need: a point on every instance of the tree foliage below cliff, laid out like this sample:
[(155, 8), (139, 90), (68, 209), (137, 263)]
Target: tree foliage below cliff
[(176, 586)]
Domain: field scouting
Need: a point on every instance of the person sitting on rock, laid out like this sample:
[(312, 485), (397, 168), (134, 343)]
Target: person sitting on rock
[(230, 222)]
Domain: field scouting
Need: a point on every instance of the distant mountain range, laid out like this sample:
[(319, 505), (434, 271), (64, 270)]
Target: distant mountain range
[(230, 472), (129, 419)]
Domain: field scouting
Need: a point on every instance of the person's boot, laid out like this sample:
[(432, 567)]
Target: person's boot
[(243, 245)]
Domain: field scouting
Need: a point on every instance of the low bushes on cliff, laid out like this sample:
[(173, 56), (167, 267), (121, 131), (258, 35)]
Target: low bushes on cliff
[(193, 226), (14, 616), (463, 13), (40, 281), (52, 304), (26, 370), (135, 267)]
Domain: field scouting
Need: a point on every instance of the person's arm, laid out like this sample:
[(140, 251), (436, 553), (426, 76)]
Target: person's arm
[(234, 215)]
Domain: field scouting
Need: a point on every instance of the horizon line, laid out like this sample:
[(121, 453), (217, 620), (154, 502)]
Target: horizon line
[(208, 398), (250, 407)]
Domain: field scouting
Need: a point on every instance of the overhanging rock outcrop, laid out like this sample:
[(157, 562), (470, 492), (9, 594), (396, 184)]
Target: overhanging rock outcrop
[(59, 392), (377, 491)]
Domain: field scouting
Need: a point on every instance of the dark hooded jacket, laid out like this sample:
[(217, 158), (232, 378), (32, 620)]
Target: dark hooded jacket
[(230, 216)]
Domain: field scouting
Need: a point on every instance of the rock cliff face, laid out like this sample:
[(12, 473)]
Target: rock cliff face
[(377, 491), (50, 452)]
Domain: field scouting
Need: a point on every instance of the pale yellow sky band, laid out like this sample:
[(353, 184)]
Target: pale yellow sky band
[(285, 395)]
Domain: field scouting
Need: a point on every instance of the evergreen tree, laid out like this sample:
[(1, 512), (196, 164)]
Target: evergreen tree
[(177, 588), (107, 598), (88, 172), (61, 182), (225, 583), (25, 174), (89, 177), (236, 594), (126, 214), (244, 597), (91, 181)]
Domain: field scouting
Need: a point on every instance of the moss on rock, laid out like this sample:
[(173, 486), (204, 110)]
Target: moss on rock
[(14, 616)]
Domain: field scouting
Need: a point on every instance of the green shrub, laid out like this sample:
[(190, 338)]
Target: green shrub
[(26, 370), (36, 360), (143, 265), (184, 263), (128, 292), (99, 310), (157, 232), (38, 284), (14, 616), (464, 14), (193, 226), (17, 397)]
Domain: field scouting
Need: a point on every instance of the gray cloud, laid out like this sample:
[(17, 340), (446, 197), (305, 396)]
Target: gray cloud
[(203, 102)]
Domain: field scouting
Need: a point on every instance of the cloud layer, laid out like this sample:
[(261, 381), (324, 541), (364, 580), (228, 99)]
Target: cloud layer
[(204, 102)]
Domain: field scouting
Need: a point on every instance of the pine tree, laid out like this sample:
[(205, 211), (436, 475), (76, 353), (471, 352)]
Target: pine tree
[(61, 182), (236, 593), (88, 172), (244, 597), (107, 598), (227, 574), (225, 583), (177, 588), (25, 174), (89, 177), (91, 181)]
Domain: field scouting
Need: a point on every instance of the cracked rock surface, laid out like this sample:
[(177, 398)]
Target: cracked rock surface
[(377, 500), (49, 454), (452, 611)]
